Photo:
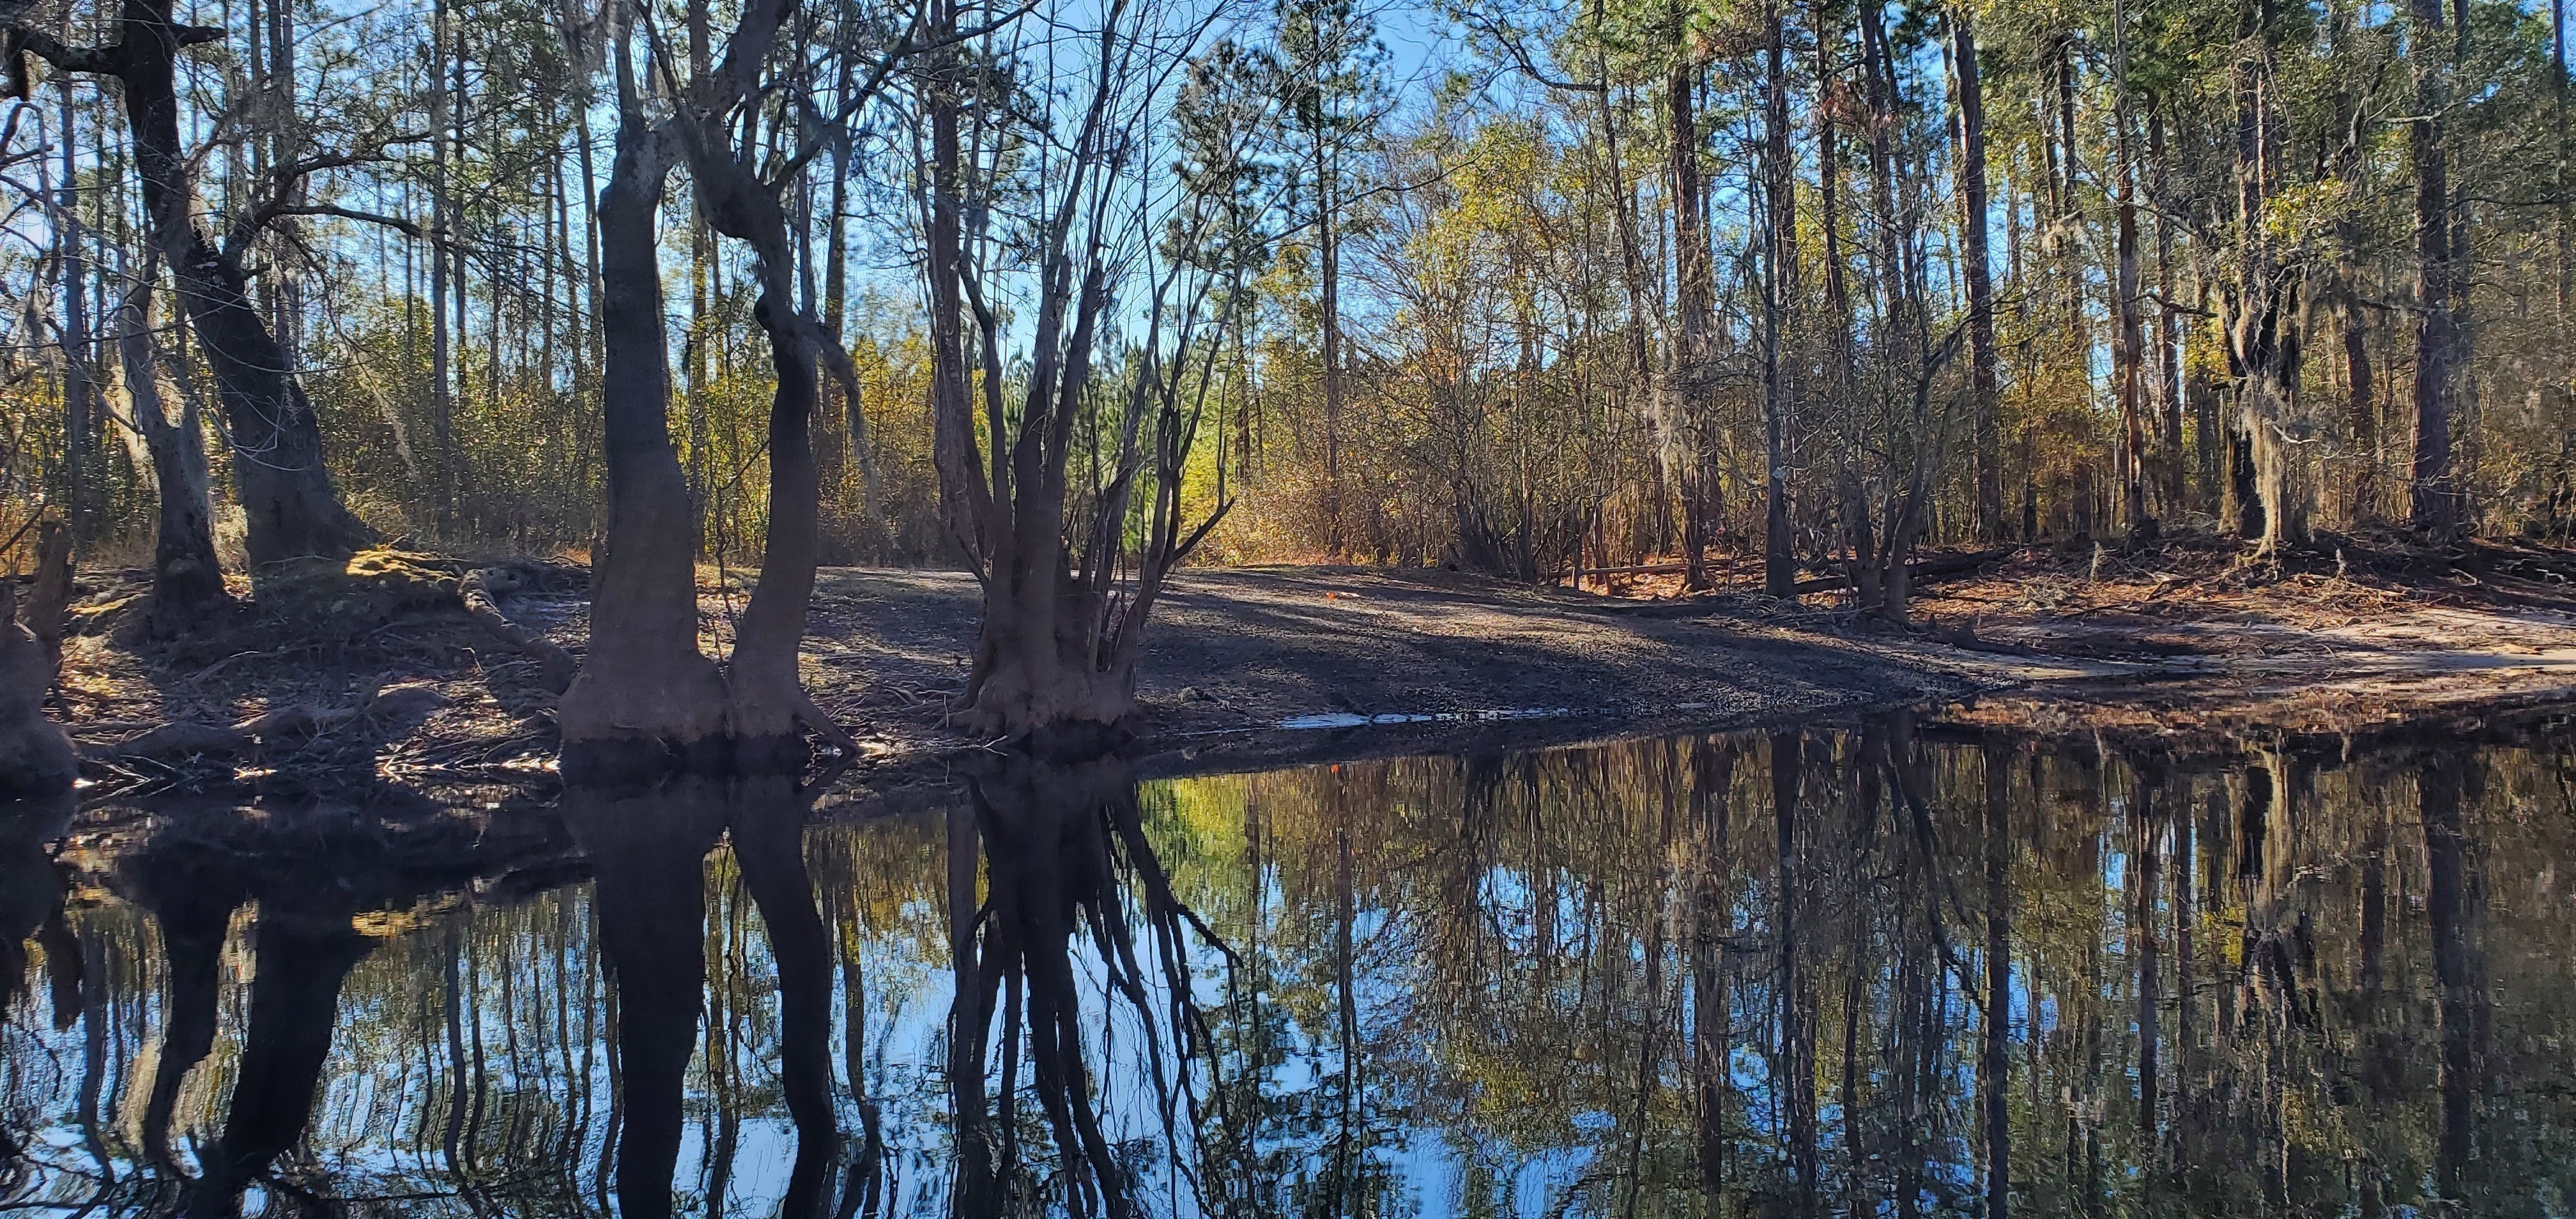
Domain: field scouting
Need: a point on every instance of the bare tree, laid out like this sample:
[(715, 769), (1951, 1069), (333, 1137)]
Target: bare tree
[(285, 490), (1069, 572)]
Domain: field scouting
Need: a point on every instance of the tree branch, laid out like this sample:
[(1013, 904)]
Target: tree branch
[(18, 42)]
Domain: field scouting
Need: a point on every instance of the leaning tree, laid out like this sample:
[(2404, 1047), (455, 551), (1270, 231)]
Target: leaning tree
[(291, 508)]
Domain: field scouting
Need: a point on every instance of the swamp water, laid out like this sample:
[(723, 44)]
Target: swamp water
[(1696, 976)]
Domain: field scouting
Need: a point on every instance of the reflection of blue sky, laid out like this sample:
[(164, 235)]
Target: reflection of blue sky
[(1434, 1028)]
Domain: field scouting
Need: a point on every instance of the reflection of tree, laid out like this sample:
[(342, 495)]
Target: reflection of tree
[(303, 956), (2275, 981), (648, 851), (1061, 848), (31, 899), (31, 908)]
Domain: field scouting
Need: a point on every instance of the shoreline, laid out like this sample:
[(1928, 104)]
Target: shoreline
[(1251, 668)]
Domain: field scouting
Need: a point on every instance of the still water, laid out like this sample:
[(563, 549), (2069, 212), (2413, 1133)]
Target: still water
[(1894, 968)]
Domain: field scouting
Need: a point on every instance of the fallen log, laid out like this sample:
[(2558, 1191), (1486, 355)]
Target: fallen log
[(481, 590), (1917, 573), (1938, 567)]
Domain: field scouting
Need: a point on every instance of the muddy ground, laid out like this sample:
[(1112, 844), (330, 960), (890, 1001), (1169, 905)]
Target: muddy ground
[(1242, 667), (1248, 667), (2345, 635)]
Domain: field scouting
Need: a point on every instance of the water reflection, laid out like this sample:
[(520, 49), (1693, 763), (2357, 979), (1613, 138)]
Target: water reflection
[(648, 854), (1897, 969)]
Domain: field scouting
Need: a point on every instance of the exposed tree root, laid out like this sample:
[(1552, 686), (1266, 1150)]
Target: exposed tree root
[(378, 717), (816, 719), (35, 756)]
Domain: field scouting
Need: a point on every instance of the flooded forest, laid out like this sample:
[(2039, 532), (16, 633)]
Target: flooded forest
[(1880, 969), (1784, 608)]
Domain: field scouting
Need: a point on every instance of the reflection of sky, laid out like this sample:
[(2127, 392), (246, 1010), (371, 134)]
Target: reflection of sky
[(1438, 1031)]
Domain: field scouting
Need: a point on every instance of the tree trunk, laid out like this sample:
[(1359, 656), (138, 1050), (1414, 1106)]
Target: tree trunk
[(442, 226), (1980, 277), (2263, 333), (285, 490), (35, 757), (2128, 348), (187, 580), (1829, 222), (644, 686), (83, 476), (768, 693), (2434, 499), (1695, 294), (2169, 391), (1329, 256), (1780, 269)]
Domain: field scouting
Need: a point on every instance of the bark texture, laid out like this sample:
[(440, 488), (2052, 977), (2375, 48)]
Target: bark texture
[(644, 682), (187, 579)]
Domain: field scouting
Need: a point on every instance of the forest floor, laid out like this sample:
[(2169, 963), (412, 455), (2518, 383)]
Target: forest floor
[(1270, 666), (2195, 634), (1244, 667)]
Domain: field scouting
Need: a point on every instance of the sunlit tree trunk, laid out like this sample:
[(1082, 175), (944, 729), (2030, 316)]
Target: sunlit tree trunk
[(1978, 265), (645, 686), (187, 580), (2128, 349), (2169, 349), (2431, 490)]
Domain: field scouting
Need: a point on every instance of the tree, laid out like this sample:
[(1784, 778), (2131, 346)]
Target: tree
[(2431, 486), (1069, 572), (1978, 264), (35, 756), (1326, 71), (286, 492), (1779, 227), (1690, 373), (646, 686), (187, 578)]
